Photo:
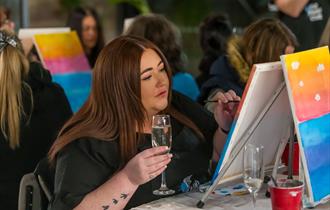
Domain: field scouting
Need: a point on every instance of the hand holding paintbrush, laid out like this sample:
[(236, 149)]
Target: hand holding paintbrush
[(225, 108)]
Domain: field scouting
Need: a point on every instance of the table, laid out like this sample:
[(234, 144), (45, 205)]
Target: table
[(187, 201)]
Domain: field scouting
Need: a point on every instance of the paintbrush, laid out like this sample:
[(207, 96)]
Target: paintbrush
[(215, 101)]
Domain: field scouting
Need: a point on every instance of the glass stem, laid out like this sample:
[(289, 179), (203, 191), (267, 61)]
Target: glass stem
[(163, 184), (254, 197)]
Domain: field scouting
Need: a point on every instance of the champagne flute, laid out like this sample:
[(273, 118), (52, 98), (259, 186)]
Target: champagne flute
[(253, 169), (162, 136)]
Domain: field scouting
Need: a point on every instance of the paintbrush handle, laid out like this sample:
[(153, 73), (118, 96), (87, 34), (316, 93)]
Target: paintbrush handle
[(215, 101)]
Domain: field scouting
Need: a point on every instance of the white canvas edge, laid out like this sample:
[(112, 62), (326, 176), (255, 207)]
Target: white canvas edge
[(25, 33)]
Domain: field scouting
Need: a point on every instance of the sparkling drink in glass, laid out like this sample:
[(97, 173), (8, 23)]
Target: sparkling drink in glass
[(161, 135)]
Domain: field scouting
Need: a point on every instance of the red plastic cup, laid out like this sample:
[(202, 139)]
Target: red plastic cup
[(287, 195)]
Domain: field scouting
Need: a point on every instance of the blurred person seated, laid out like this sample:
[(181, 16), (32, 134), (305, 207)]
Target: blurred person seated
[(262, 41), (104, 157), (214, 32), (166, 36), (305, 18), (5, 22), (32, 111), (88, 26)]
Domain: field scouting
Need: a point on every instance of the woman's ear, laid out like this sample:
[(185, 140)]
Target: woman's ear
[(289, 49)]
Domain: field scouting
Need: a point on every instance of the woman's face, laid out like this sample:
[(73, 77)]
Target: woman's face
[(154, 82), (89, 32)]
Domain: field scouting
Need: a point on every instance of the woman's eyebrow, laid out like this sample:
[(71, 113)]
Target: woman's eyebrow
[(150, 68), (145, 70)]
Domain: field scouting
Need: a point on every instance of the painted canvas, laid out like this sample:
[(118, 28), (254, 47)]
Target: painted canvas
[(26, 35), (265, 82), (61, 52), (63, 55), (308, 83)]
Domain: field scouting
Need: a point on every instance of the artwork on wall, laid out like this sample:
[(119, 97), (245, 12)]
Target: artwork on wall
[(63, 55), (308, 83)]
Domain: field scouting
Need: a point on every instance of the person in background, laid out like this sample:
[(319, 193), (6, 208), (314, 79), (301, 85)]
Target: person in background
[(166, 36), (214, 32), (262, 41), (88, 26), (104, 157), (32, 111), (305, 18), (325, 38), (5, 22)]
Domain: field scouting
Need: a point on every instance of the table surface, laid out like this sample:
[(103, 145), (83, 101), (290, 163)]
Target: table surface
[(187, 201)]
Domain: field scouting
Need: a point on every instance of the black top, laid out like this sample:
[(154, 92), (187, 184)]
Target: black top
[(51, 109), (222, 76), (87, 163), (310, 23)]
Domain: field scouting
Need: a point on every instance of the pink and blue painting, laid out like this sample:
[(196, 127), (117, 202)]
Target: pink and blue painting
[(308, 83), (63, 55)]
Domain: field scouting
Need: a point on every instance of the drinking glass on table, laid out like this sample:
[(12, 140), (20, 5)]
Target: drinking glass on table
[(253, 169), (161, 135)]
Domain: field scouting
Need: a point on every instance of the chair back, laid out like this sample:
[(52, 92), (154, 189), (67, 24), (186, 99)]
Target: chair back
[(36, 188)]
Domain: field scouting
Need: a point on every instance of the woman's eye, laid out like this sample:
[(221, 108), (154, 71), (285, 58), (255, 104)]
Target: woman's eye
[(163, 69), (146, 78)]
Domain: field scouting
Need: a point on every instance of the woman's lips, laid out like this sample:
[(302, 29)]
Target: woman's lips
[(162, 94)]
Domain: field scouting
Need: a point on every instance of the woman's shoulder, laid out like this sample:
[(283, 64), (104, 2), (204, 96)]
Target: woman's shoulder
[(92, 144), (89, 148), (38, 74), (47, 95)]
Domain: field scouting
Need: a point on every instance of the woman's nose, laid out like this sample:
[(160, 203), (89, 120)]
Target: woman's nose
[(160, 78)]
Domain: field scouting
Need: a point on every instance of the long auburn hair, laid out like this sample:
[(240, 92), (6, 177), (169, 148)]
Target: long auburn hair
[(114, 108), (14, 69)]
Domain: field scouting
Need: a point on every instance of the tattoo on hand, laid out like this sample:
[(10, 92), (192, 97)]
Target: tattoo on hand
[(114, 201), (105, 207), (123, 196)]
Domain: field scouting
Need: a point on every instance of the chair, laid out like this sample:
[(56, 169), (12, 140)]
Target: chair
[(36, 188)]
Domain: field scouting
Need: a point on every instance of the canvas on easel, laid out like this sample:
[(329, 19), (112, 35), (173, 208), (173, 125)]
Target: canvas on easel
[(62, 54), (264, 80), (26, 35), (308, 83), (263, 118)]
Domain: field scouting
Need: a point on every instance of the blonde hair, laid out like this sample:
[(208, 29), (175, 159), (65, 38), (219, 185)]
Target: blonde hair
[(14, 66)]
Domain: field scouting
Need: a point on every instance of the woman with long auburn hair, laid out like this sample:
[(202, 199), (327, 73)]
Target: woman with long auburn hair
[(103, 156)]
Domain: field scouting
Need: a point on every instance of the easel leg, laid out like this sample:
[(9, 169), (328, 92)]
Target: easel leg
[(291, 152)]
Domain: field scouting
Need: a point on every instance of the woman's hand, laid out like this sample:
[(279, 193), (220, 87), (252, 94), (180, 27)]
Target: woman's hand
[(226, 108), (147, 165)]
